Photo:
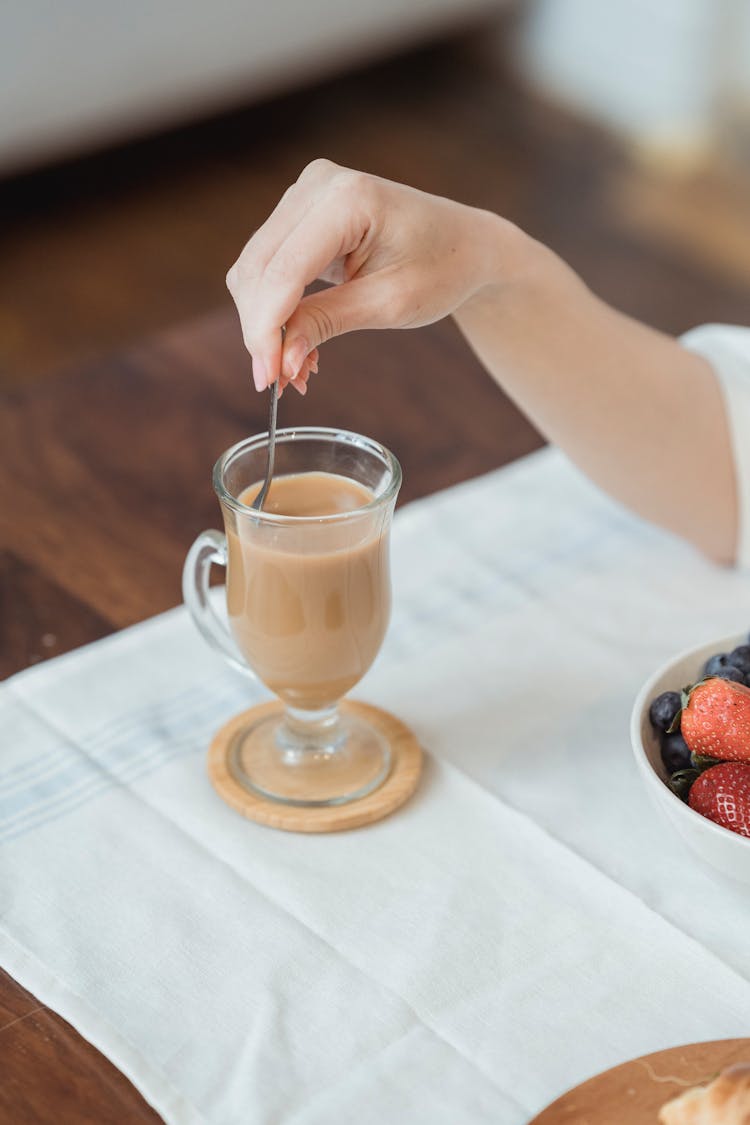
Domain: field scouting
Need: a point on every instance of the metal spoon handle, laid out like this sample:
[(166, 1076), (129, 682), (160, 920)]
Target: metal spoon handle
[(260, 499), (272, 412)]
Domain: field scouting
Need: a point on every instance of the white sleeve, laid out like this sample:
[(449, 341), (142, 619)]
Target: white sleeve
[(727, 349)]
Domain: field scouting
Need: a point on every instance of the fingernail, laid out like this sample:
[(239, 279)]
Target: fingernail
[(314, 367), (300, 385), (294, 355), (260, 377)]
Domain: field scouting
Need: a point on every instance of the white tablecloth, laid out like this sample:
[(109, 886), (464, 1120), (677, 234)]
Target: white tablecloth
[(524, 922)]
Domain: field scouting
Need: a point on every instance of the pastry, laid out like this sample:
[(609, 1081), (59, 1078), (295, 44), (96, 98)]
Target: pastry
[(725, 1101)]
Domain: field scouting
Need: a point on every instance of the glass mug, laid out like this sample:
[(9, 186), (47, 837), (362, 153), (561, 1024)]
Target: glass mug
[(308, 601)]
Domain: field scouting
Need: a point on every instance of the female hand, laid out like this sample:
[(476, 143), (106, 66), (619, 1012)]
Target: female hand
[(397, 258), (592, 380)]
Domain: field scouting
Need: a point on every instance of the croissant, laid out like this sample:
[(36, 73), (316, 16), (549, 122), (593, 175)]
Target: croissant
[(725, 1101)]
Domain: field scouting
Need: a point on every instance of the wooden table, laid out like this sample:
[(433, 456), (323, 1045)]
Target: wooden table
[(105, 479)]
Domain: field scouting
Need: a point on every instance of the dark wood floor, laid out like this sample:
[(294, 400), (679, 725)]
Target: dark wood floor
[(101, 251)]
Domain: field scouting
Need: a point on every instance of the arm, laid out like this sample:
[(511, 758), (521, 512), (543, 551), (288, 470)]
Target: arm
[(639, 414)]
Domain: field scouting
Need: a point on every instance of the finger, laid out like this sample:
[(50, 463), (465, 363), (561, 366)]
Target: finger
[(270, 357), (294, 203), (285, 380), (291, 209), (259, 373), (332, 228), (311, 363), (300, 381), (369, 302)]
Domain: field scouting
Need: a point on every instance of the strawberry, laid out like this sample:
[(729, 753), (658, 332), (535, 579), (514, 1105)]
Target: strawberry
[(715, 720), (722, 793)]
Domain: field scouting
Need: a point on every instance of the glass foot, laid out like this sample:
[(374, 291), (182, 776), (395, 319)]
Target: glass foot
[(331, 761)]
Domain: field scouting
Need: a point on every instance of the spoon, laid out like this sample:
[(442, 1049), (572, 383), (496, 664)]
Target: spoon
[(260, 499)]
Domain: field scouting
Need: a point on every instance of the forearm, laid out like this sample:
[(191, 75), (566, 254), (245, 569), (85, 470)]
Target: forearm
[(639, 414)]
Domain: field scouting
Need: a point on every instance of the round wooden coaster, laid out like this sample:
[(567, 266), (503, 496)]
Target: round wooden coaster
[(401, 782), (635, 1091)]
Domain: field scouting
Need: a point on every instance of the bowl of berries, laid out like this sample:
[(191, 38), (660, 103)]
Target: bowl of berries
[(690, 729)]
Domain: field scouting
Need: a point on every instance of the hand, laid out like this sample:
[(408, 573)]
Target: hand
[(595, 382), (396, 258)]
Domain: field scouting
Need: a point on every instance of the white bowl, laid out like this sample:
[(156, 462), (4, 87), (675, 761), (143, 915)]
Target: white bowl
[(725, 850)]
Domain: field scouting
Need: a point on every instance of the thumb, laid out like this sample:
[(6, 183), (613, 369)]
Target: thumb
[(332, 312)]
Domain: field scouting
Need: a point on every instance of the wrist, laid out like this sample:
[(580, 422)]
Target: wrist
[(509, 266)]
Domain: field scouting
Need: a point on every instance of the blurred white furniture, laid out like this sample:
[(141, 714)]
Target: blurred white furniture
[(83, 72), (670, 76)]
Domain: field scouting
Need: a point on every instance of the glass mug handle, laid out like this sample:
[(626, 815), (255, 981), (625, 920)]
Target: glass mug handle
[(208, 549)]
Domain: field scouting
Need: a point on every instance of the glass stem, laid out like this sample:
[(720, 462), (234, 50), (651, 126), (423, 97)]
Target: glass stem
[(310, 732)]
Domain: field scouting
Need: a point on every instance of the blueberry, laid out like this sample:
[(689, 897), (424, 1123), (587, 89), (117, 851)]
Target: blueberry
[(663, 709), (675, 752), (730, 673), (716, 664), (740, 658)]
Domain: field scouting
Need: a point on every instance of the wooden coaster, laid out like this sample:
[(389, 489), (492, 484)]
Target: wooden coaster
[(635, 1091), (406, 767)]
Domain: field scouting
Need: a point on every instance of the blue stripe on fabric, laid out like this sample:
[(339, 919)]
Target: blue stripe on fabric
[(110, 738), (19, 774), (74, 800), (154, 736)]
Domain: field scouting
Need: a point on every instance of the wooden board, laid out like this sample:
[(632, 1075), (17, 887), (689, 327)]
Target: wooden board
[(634, 1092), (395, 791)]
